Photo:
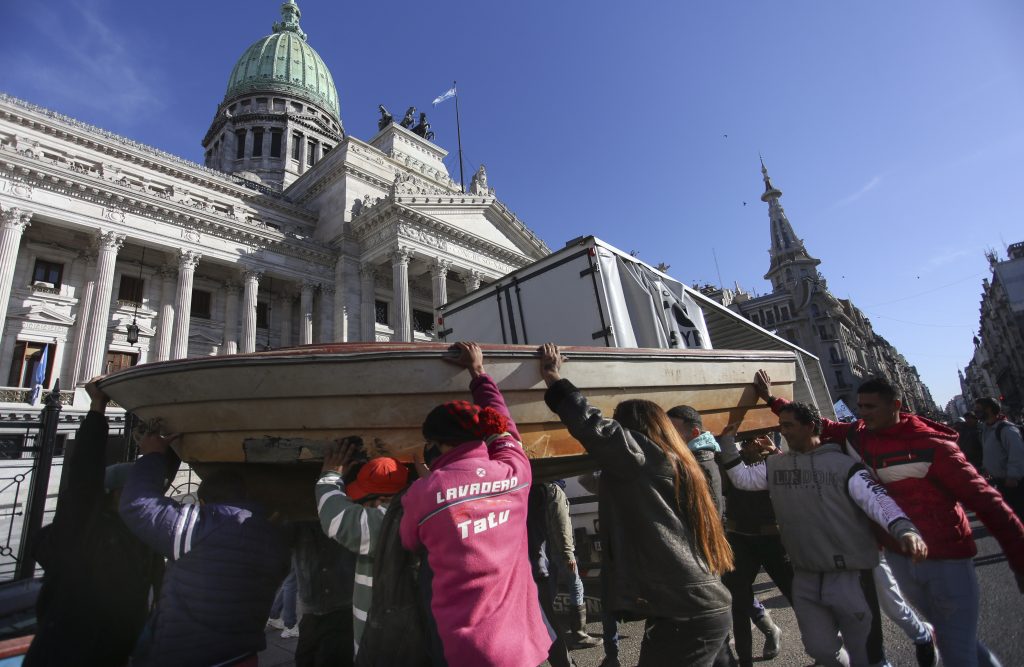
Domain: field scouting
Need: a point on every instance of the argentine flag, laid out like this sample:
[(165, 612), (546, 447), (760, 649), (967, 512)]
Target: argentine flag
[(444, 96)]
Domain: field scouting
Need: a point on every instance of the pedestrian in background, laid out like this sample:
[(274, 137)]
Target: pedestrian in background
[(662, 539), (1002, 453)]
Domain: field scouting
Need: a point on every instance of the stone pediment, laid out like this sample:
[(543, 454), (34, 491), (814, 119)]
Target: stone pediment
[(203, 337), (40, 313), (144, 330)]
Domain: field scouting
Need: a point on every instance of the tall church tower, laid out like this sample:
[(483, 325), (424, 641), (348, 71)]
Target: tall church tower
[(280, 113), (790, 261)]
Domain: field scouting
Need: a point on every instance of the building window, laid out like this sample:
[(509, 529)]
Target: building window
[(278, 105), (262, 315), (296, 145), (785, 313), (257, 142), (840, 382), (239, 144), (380, 312), (48, 272), (26, 362), (755, 319), (422, 321), (200, 304), (823, 333), (327, 148), (296, 107), (11, 445), (130, 289), (118, 360), (275, 143), (769, 317), (815, 310), (310, 153), (261, 102), (246, 104)]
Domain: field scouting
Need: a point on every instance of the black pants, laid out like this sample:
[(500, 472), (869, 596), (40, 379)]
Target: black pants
[(558, 654), (1014, 497), (325, 640), (669, 642), (750, 553)]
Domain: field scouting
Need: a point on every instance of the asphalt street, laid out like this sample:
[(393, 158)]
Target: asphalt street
[(1001, 623)]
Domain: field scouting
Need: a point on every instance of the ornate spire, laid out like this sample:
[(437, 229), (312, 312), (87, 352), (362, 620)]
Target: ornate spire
[(290, 16), (789, 259)]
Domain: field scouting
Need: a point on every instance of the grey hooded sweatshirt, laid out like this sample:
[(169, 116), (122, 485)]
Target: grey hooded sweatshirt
[(824, 502)]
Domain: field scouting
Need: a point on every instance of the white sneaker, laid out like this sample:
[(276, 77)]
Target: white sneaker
[(290, 633), (275, 623)]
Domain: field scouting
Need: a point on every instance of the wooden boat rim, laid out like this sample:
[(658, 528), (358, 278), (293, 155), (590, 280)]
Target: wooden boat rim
[(342, 352)]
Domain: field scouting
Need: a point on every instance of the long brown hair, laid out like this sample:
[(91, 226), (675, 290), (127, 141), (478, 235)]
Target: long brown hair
[(650, 420)]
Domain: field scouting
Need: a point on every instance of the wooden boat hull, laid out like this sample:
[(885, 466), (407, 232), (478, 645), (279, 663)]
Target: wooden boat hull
[(277, 411)]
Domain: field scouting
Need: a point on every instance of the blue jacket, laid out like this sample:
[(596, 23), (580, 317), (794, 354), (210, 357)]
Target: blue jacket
[(225, 564)]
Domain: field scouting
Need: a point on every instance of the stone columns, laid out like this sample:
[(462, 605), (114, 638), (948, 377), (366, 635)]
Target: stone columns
[(400, 279), (327, 314), (251, 282), (187, 262), (168, 278), (471, 279), (12, 226), (306, 313), (231, 292), (367, 299), (340, 307), (286, 317), (108, 244), (439, 281), (82, 318)]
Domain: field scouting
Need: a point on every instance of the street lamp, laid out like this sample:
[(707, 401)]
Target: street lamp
[(133, 328)]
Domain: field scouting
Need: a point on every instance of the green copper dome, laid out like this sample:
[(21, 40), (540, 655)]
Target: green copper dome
[(285, 63)]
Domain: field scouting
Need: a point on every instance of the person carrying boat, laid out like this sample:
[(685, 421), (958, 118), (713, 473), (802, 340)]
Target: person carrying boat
[(226, 561), (353, 514), (666, 568), (468, 519), (825, 503), (98, 576)]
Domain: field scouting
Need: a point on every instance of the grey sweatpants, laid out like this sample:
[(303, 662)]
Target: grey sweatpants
[(838, 617)]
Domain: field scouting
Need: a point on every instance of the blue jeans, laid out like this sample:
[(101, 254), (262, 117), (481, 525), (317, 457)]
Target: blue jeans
[(284, 602), (946, 594), (575, 583)]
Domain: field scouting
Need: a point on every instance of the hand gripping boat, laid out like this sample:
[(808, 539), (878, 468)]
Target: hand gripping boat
[(270, 415)]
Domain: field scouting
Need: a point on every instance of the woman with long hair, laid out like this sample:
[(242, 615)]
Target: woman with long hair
[(663, 545)]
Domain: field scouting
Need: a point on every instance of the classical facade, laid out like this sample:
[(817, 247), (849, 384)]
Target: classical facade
[(997, 366), (801, 309), (114, 253)]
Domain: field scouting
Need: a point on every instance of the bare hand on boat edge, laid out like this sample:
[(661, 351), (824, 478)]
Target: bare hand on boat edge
[(342, 454), (469, 356), (551, 360)]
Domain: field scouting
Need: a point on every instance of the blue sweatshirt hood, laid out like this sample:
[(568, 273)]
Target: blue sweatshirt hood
[(705, 442)]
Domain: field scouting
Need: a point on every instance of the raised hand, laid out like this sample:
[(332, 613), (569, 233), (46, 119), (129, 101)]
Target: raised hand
[(341, 455), (550, 363), (763, 384), (469, 356)]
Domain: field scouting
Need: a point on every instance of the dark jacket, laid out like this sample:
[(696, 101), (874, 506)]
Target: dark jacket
[(98, 575), (396, 610), (226, 562), (324, 571), (649, 553)]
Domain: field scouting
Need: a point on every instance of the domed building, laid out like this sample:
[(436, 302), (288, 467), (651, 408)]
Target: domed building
[(113, 253), (280, 113)]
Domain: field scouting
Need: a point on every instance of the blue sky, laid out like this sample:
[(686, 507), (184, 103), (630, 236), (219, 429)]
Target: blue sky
[(893, 128)]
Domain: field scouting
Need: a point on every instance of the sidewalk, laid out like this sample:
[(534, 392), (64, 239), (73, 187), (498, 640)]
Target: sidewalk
[(279, 652)]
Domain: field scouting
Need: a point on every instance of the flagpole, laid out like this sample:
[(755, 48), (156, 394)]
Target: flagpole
[(458, 131)]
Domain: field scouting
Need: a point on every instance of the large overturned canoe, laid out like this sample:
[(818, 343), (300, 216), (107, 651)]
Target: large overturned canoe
[(277, 411)]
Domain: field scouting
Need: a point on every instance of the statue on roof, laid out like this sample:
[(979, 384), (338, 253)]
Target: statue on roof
[(478, 184), (385, 117), (423, 128), (409, 119)]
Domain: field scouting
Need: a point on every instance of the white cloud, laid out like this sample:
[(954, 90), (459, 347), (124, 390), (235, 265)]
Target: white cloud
[(93, 66), (868, 187)]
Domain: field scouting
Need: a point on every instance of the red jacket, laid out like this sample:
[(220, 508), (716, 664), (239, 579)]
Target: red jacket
[(924, 471)]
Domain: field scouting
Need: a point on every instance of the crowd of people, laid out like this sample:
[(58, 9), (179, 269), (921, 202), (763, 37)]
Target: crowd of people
[(455, 560)]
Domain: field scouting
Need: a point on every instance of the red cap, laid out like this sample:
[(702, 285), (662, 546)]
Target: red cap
[(382, 476)]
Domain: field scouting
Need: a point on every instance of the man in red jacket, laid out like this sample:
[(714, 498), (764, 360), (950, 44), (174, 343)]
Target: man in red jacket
[(923, 470)]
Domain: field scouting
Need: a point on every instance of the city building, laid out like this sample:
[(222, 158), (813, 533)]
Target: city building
[(801, 309), (114, 253), (997, 366)]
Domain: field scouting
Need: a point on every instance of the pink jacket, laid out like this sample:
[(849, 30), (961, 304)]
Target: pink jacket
[(470, 517)]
